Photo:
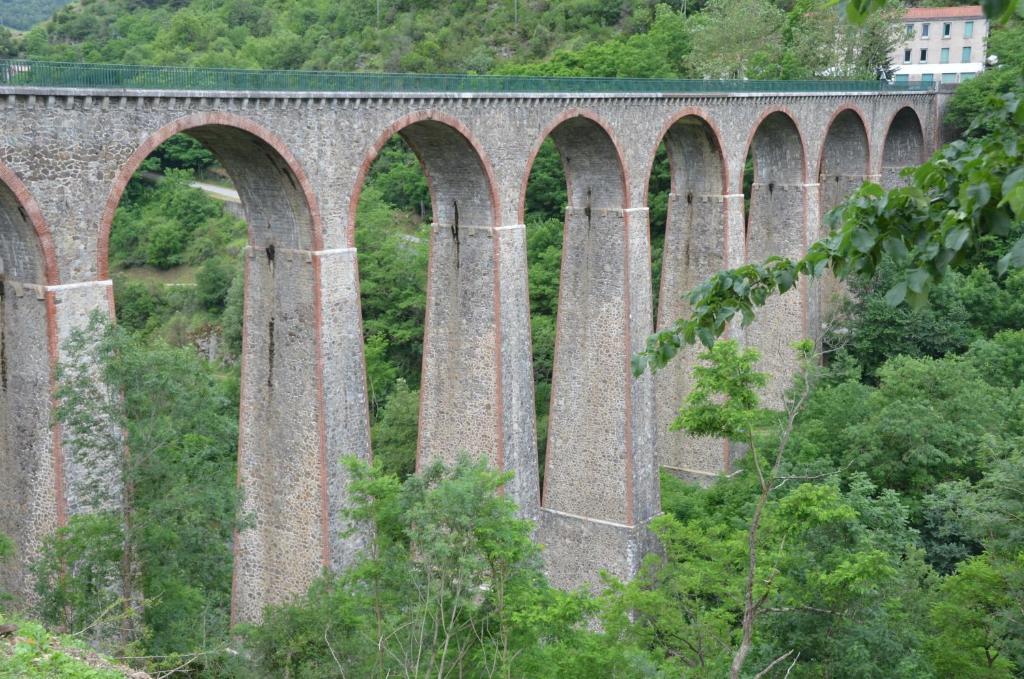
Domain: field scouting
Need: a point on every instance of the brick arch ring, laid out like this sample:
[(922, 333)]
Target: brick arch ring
[(51, 274), (716, 135), (799, 135), (129, 166), (395, 128), (856, 110), (548, 129)]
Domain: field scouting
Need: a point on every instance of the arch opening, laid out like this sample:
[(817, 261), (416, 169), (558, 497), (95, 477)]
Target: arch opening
[(209, 236), (904, 147), (695, 241), (30, 494), (776, 225)]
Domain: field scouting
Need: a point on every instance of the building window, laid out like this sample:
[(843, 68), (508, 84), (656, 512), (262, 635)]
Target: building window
[(944, 55), (908, 56), (965, 56), (947, 29), (949, 77), (924, 30), (964, 77), (924, 55), (910, 30), (927, 77), (968, 29), (902, 78)]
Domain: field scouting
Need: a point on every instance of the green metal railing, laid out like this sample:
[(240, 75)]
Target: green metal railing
[(115, 76)]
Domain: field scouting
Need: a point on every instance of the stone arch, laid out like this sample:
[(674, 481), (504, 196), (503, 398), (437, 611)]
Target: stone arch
[(600, 486), (845, 159), (693, 134), (26, 247), (778, 148), (461, 374), (779, 159), (777, 225), (455, 165), (904, 146), (32, 498), (280, 204), (600, 159), (696, 245)]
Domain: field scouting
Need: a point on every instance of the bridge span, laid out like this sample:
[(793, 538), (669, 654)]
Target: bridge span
[(71, 137)]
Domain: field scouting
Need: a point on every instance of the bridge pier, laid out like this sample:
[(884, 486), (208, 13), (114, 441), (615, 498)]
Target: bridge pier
[(45, 480), (696, 246), (477, 391), (777, 223), (601, 481), (290, 478)]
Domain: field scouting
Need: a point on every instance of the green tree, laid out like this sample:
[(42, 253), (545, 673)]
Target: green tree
[(450, 584), (971, 98), (736, 39), (180, 422), (394, 434), (968, 622)]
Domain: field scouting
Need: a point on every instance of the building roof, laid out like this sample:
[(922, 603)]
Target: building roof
[(962, 12)]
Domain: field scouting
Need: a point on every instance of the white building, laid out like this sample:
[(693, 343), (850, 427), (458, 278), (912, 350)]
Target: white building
[(943, 44)]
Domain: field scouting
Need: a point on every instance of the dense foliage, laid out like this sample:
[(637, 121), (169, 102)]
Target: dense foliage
[(179, 419), (23, 14), (451, 586)]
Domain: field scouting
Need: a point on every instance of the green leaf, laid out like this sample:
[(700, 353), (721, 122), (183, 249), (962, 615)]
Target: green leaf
[(895, 248), (917, 279), (980, 193), (784, 279), (864, 240), (955, 239), (1012, 180), (896, 294), (997, 221), (1014, 258), (707, 338)]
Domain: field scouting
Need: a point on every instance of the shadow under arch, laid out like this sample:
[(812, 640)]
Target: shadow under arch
[(453, 161), (600, 159), (587, 376), (843, 165), (32, 495), (777, 225), (696, 246), (904, 146)]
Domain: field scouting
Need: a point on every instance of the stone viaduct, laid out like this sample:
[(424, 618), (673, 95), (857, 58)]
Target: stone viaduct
[(299, 159)]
